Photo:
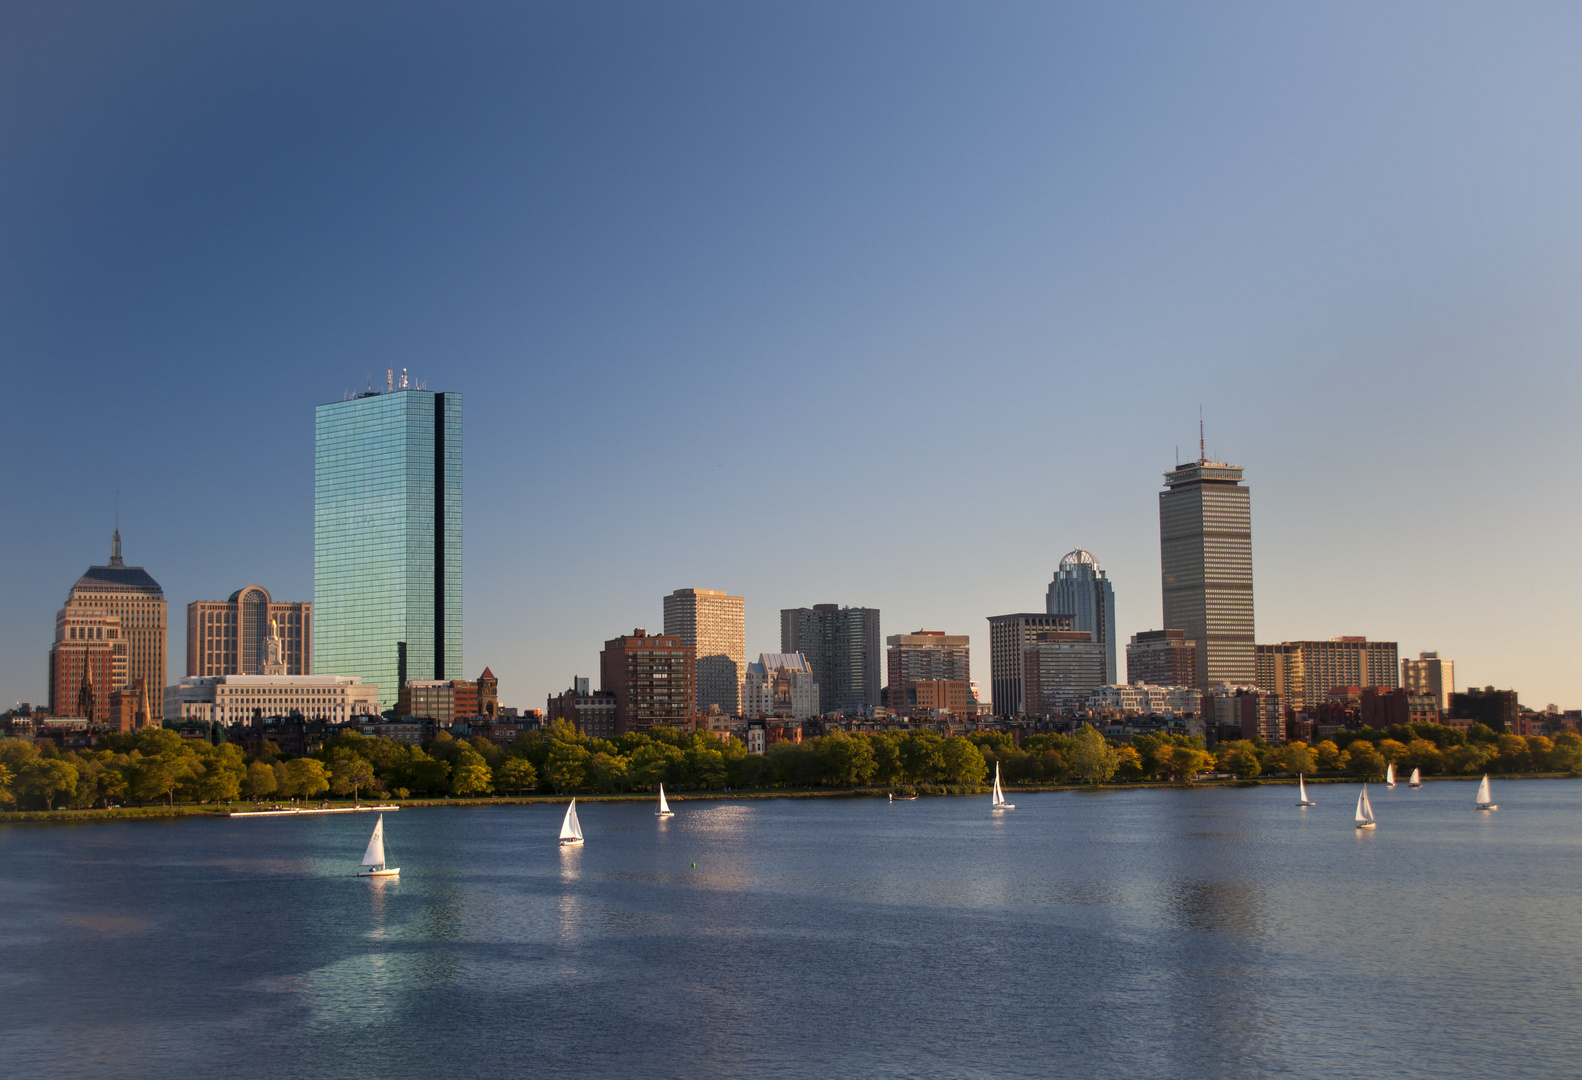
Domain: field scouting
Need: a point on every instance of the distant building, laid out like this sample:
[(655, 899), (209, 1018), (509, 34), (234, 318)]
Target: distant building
[(593, 712), (652, 678), (1429, 677), (231, 637), (442, 700), (130, 710), (931, 671), (1060, 671), (1243, 712), (780, 684), (131, 595), (1162, 658), (87, 662), (1496, 709), (1205, 556), (842, 646), (1141, 699), (714, 625), (1081, 590), (387, 517), (488, 695), (1009, 636), (236, 699), (1303, 672)]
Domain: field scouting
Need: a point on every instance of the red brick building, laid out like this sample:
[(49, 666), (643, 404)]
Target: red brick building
[(653, 678)]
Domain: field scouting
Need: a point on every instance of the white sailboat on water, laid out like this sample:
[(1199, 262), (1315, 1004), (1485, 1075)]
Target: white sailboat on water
[(571, 828), (664, 807), (1389, 774), (1365, 810), (1485, 799), (1301, 793), (1416, 779), (999, 802), (374, 857)]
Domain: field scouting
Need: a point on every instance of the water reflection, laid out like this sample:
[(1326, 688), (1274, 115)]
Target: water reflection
[(380, 891)]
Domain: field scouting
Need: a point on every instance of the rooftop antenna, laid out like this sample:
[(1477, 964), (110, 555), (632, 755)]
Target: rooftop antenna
[(389, 380), (1202, 455), (403, 378)]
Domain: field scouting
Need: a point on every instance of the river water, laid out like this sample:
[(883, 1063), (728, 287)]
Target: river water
[(1200, 933)]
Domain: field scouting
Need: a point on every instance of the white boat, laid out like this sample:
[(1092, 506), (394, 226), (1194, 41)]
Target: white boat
[(1365, 810), (999, 802), (1485, 800), (1389, 774), (664, 807), (571, 828), (1301, 793), (374, 857), (1416, 779)]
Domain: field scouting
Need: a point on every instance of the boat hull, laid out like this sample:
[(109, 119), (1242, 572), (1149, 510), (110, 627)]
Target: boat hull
[(1488, 806), (571, 843), (1367, 825), (664, 813), (391, 872), (1309, 802), (1003, 806)]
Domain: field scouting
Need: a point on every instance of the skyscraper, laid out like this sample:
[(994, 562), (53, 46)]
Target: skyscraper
[(1081, 590), (1429, 676), (652, 679), (842, 647), (714, 624), (131, 594), (231, 637), (1010, 636), (1205, 556), (387, 537), (938, 663)]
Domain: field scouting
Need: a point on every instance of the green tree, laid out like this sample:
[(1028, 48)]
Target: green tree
[(516, 773), (649, 763), (349, 775), (1425, 755), (260, 781), (1470, 757), (1185, 762), (301, 777), (1567, 754), (1392, 751), (567, 766), (47, 779), (153, 777), (1364, 760), (1092, 758), (608, 771), (1242, 761), (845, 760), (1328, 755), (963, 762), (1481, 733), (1298, 757), (7, 792), (470, 774)]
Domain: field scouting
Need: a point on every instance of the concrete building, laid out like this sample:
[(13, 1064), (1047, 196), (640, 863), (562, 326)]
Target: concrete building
[(1161, 658), (780, 684), (1244, 712), (1081, 590), (1205, 557), (235, 699), (87, 663), (714, 624), (1303, 672), (387, 534), (231, 637), (842, 645), (1141, 699), (652, 679), (131, 595), (1429, 676), (592, 711), (1009, 637), (444, 701), (1060, 671), (933, 657)]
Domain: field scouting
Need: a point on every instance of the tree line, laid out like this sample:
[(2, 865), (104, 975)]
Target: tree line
[(160, 766)]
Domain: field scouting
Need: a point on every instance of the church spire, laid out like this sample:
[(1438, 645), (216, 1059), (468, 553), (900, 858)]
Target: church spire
[(85, 696)]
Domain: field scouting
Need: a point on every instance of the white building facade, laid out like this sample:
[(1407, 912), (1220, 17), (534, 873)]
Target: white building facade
[(1142, 700), (780, 684), (231, 699)]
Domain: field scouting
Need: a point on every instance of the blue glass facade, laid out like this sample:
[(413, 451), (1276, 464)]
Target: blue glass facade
[(1081, 590), (387, 545)]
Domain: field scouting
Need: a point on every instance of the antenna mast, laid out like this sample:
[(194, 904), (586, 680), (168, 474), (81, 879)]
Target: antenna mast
[(1202, 455)]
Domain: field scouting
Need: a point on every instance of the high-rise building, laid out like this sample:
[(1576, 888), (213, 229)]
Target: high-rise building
[(1162, 658), (928, 659), (842, 646), (231, 637), (134, 597), (652, 678), (1304, 672), (1009, 636), (387, 536), (714, 624), (1060, 670), (87, 663), (780, 684), (1081, 590), (1205, 556), (1429, 676)]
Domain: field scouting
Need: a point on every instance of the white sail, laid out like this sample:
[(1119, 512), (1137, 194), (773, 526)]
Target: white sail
[(999, 796), (1416, 779), (1389, 774), (571, 828), (375, 855), (1364, 807), (1301, 788), (1483, 791), (664, 807)]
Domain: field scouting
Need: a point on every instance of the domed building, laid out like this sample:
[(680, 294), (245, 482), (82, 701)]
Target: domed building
[(1081, 590)]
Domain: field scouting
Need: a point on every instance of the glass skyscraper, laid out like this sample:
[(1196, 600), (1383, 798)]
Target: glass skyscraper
[(387, 538), (1081, 590), (1205, 557)]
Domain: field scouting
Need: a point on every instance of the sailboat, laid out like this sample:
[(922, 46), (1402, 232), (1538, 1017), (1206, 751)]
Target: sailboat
[(1485, 800), (571, 828), (1389, 774), (664, 807), (999, 802), (1301, 793), (1416, 779), (1365, 810), (374, 857)]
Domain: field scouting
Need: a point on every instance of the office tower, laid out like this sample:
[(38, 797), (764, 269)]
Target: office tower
[(87, 663), (231, 637), (1205, 556), (135, 598), (1009, 636), (1060, 670), (387, 537), (933, 662), (1081, 590), (780, 684), (1304, 672), (842, 646), (1162, 658), (714, 624), (1429, 676), (653, 680)]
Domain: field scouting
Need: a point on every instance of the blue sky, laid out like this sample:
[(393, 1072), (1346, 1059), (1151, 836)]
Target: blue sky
[(878, 304)]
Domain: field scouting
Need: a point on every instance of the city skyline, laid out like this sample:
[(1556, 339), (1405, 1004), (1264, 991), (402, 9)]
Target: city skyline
[(839, 234)]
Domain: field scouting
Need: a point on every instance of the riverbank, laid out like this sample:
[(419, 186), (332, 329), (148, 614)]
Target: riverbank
[(185, 810)]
